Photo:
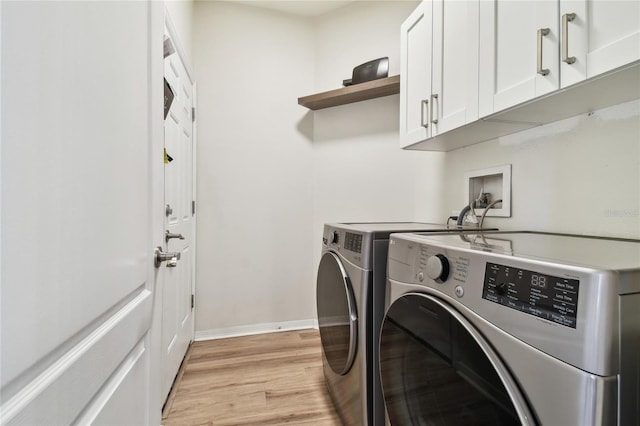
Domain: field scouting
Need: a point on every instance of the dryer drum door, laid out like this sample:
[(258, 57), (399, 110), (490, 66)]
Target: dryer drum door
[(437, 369), (337, 315)]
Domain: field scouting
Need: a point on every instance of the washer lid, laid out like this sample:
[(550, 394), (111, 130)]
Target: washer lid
[(575, 250), (392, 226), (383, 229)]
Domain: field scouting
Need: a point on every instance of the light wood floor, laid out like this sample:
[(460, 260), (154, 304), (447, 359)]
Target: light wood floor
[(267, 379)]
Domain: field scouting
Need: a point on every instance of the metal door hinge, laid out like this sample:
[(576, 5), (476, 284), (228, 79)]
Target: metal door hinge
[(193, 300), (193, 207)]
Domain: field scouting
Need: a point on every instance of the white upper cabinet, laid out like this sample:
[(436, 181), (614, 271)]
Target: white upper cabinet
[(455, 64), (475, 70), (415, 74), (532, 48), (438, 69), (518, 52), (596, 37)]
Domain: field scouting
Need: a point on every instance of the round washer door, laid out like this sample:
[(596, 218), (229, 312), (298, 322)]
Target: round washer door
[(337, 314), (437, 369)]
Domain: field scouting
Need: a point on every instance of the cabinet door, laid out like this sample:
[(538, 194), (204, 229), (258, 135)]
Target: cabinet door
[(518, 61), (415, 75), (454, 99), (597, 36)]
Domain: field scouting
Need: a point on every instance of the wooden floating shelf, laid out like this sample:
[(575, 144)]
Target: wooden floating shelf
[(356, 93)]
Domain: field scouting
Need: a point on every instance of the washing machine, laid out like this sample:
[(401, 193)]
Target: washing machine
[(511, 328), (350, 287)]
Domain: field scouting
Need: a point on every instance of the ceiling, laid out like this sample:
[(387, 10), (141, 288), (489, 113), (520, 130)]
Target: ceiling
[(298, 7)]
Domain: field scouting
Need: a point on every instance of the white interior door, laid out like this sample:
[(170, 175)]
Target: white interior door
[(77, 269), (177, 312)]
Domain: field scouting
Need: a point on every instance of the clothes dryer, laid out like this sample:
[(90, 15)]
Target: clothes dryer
[(350, 300), (511, 329)]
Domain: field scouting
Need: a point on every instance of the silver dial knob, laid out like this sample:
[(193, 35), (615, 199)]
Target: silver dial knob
[(438, 268), (334, 238)]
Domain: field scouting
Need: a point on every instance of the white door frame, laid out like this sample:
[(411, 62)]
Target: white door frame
[(179, 50), (156, 221), (194, 140)]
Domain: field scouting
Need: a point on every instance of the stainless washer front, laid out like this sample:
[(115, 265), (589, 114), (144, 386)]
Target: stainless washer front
[(519, 328)]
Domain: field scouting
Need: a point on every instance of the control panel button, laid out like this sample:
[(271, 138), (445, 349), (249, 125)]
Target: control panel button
[(420, 276), (459, 291), (438, 268)]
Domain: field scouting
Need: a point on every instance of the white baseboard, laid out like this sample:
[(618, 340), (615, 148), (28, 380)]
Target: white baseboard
[(247, 330)]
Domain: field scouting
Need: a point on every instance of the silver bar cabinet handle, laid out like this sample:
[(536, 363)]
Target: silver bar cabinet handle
[(541, 32), (566, 18), (424, 103), (434, 98)]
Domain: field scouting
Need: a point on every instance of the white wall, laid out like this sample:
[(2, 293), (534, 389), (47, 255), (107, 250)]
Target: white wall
[(254, 191), (271, 173), (357, 33), (580, 175), (360, 173)]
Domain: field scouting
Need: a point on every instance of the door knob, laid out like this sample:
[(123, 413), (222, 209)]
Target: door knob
[(169, 256), (168, 235)]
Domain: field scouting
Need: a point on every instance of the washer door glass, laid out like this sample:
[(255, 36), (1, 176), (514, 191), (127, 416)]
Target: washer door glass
[(436, 369), (337, 316)]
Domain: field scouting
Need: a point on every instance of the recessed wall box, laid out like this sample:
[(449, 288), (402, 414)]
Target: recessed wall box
[(489, 185)]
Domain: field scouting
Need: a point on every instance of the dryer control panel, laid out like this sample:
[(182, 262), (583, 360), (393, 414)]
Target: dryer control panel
[(353, 242), (544, 296)]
